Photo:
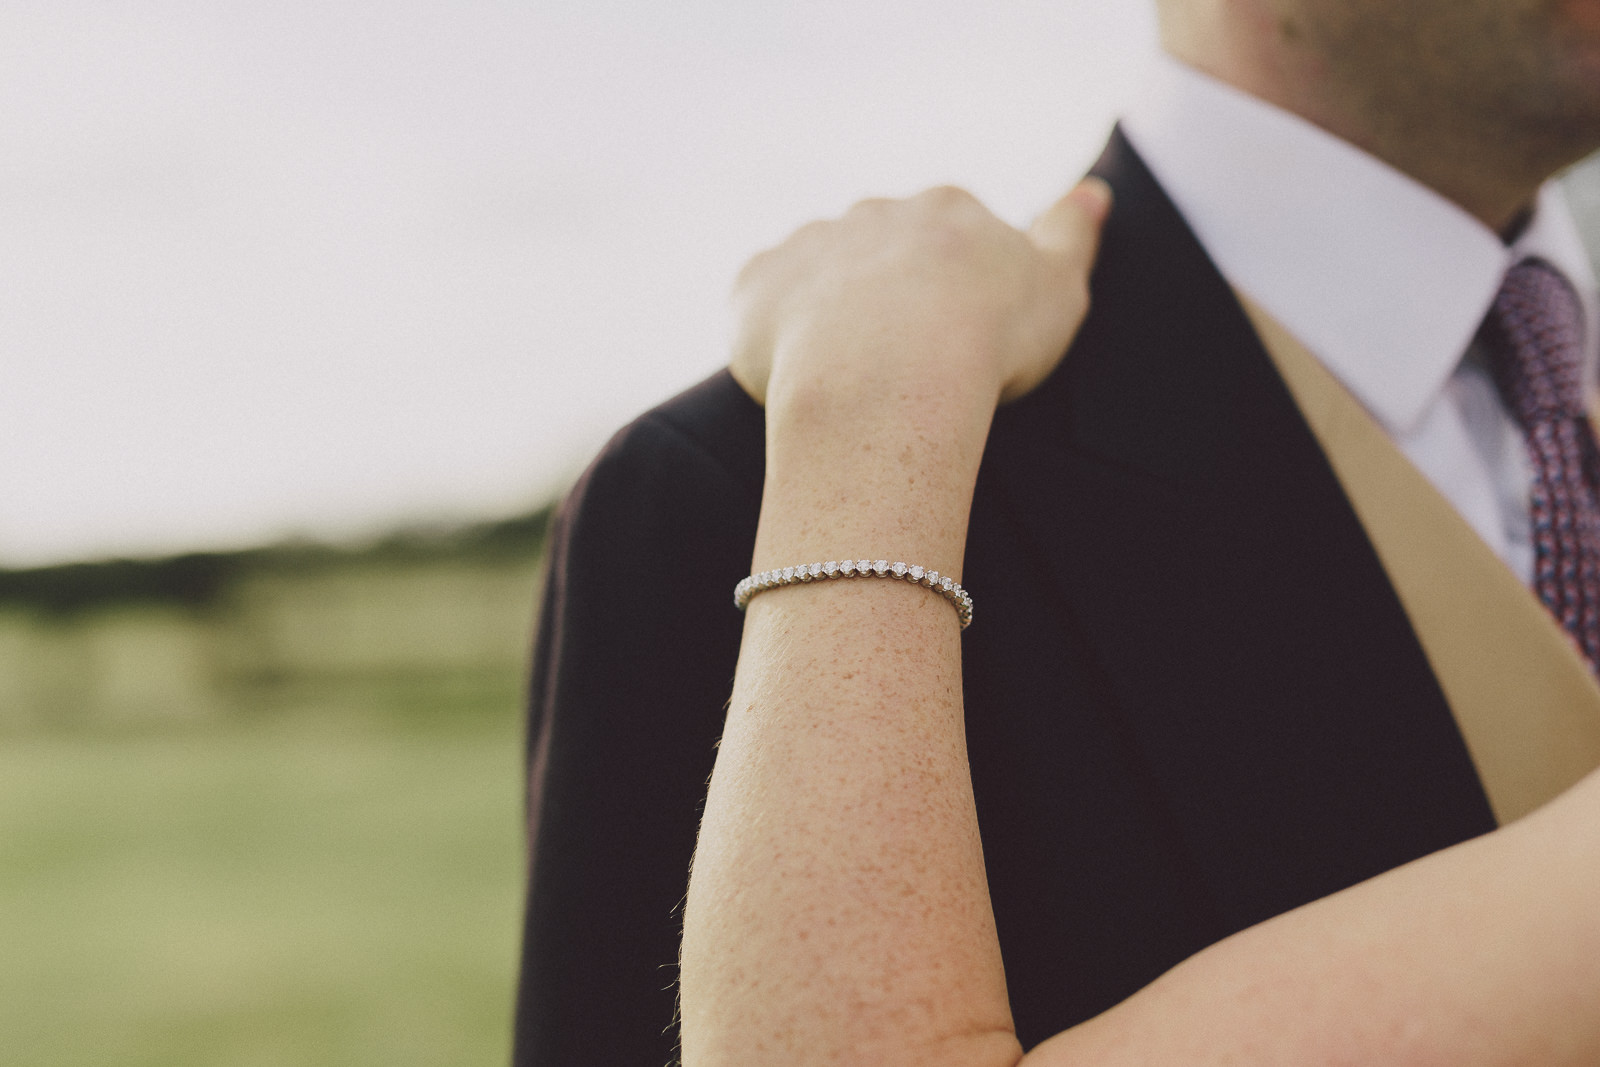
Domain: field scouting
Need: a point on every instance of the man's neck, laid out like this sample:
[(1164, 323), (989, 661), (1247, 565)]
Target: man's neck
[(1440, 154)]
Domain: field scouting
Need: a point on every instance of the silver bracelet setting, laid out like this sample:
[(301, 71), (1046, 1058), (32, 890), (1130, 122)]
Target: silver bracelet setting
[(856, 568)]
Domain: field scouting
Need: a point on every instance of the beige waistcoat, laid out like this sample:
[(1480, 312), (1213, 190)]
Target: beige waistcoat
[(1521, 693)]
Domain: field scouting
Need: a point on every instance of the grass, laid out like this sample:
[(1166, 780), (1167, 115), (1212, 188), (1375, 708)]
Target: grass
[(328, 886), (265, 808)]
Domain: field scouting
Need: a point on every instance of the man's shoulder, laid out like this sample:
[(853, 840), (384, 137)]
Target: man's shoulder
[(686, 473), (712, 429)]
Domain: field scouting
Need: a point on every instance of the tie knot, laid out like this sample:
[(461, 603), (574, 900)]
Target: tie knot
[(1535, 337)]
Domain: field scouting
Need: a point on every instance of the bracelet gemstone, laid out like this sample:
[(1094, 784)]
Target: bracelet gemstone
[(856, 568)]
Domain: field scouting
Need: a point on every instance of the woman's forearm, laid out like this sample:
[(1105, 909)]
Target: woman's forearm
[(838, 910), (1486, 953)]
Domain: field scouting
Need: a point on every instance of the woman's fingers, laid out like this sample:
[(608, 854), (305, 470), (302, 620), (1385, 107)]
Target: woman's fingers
[(932, 285)]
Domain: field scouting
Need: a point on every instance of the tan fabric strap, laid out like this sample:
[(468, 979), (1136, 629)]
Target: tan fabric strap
[(1522, 695)]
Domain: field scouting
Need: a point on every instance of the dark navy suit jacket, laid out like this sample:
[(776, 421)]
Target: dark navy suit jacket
[(1193, 700)]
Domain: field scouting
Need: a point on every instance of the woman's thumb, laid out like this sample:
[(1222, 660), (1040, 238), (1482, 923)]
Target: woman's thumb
[(1070, 227)]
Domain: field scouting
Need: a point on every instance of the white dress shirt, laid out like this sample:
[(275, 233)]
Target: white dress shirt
[(1384, 280)]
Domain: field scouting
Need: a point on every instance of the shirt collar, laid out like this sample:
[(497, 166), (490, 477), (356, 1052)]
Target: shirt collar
[(1383, 279)]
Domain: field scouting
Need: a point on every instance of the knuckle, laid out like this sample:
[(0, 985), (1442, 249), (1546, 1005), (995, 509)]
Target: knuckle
[(769, 265), (955, 219), (812, 233), (754, 273), (948, 197), (870, 206)]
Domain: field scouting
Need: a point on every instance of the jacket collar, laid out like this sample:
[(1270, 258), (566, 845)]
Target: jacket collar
[(1201, 548)]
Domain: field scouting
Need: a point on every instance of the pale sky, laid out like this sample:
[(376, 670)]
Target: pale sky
[(281, 268)]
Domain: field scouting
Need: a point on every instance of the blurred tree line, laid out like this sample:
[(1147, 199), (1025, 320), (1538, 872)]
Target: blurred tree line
[(421, 621)]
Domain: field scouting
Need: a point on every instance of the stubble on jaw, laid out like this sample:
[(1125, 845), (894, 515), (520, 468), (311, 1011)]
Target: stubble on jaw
[(1480, 99)]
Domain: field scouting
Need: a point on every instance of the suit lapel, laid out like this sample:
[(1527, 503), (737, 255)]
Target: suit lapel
[(1201, 547)]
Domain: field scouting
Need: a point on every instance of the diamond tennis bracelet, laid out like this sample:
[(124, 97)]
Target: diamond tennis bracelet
[(856, 568)]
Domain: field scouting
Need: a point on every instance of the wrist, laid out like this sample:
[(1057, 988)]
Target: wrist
[(868, 369), (860, 476), (874, 437)]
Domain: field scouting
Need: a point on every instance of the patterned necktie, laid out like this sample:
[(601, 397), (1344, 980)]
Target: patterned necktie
[(1535, 343)]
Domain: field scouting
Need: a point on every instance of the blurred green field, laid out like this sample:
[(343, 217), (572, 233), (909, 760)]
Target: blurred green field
[(279, 826)]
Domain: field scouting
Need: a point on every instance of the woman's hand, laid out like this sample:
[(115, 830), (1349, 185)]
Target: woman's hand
[(931, 287), (881, 343)]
